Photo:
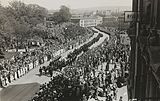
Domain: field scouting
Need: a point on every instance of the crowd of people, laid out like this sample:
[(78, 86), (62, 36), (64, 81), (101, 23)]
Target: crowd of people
[(94, 75), (109, 77), (68, 34), (22, 62), (58, 63)]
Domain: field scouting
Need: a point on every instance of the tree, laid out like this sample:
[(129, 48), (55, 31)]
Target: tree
[(36, 14), (19, 10), (57, 17), (21, 34), (5, 29), (63, 15), (22, 19)]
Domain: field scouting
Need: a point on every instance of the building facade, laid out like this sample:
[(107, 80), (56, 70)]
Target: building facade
[(99, 20), (144, 79), (108, 19), (87, 21), (102, 12)]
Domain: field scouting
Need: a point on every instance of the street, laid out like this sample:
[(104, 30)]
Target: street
[(24, 88)]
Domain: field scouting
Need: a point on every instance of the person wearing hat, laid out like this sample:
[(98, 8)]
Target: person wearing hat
[(120, 99)]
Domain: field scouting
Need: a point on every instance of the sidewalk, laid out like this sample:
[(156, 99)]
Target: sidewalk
[(30, 77), (122, 92)]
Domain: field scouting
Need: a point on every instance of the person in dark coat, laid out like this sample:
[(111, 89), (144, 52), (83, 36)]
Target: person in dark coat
[(5, 79), (120, 99), (50, 72), (40, 71), (17, 73), (1, 85), (9, 77)]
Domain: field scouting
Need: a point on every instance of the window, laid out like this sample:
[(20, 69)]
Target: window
[(158, 15)]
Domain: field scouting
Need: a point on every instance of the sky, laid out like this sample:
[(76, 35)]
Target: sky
[(73, 4)]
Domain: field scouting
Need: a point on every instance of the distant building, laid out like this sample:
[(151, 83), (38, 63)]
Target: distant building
[(121, 24), (107, 12), (75, 20), (88, 21), (102, 12), (77, 15), (109, 19), (120, 19), (99, 20), (94, 13)]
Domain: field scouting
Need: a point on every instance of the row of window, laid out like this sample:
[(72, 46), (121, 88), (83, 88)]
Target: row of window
[(83, 21), (87, 25)]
